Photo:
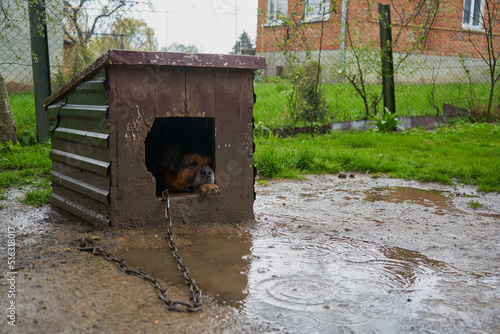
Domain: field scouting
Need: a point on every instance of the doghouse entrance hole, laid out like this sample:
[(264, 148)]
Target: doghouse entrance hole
[(186, 134)]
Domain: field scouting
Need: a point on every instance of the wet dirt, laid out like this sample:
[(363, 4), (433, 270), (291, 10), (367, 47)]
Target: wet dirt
[(324, 255)]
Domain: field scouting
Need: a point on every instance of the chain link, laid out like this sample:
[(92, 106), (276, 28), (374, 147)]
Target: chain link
[(171, 305)]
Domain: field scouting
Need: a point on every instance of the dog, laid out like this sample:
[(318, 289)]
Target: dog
[(184, 171)]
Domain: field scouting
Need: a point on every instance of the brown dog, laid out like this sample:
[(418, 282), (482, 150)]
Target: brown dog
[(188, 172)]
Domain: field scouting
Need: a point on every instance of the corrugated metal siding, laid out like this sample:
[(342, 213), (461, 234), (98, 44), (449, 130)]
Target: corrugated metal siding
[(80, 151)]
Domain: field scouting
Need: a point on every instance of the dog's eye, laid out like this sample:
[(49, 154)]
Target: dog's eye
[(193, 164)]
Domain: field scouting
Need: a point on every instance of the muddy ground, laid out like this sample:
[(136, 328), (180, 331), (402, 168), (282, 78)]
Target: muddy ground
[(325, 255)]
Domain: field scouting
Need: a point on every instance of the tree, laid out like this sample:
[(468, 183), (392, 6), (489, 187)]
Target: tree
[(7, 123), (126, 33), (415, 19), (80, 24), (84, 19), (244, 45), (83, 23), (486, 20), (177, 47), (306, 101), (301, 33), (79, 27)]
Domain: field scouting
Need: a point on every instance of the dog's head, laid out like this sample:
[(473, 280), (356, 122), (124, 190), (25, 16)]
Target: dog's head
[(186, 172)]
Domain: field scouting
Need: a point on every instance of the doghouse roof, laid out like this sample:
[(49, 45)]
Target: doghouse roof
[(126, 57)]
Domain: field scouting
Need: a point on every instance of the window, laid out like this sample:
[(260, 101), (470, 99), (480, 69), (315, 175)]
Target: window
[(276, 9), (317, 10), (473, 15)]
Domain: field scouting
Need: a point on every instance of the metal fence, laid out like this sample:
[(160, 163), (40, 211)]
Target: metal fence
[(343, 44), (441, 56), (16, 57)]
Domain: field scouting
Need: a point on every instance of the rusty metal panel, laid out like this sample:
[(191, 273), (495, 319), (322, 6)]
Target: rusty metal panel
[(80, 151), (79, 210), (84, 188)]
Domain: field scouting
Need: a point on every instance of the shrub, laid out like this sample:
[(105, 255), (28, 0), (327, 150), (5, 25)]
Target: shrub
[(307, 101)]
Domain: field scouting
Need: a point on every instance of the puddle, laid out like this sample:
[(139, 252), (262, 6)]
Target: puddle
[(298, 283), (338, 283), (428, 198), (218, 263)]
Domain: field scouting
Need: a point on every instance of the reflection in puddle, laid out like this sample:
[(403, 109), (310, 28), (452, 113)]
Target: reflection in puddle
[(217, 262), (428, 198), (293, 282), (340, 283)]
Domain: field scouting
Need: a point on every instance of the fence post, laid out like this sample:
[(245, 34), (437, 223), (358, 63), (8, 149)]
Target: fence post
[(40, 63), (386, 54)]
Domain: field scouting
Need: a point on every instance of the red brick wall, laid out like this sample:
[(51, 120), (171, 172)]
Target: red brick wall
[(445, 39)]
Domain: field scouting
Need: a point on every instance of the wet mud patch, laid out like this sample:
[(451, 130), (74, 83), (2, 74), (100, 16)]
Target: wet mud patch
[(438, 200), (324, 255)]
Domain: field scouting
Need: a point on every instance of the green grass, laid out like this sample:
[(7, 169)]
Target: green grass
[(475, 205), (344, 103), (23, 108), (28, 163), (26, 166), (467, 153)]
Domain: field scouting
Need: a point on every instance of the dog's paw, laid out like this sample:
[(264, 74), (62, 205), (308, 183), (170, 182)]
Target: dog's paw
[(209, 190)]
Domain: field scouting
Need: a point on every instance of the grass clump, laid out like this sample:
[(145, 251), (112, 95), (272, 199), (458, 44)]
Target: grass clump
[(475, 205), (467, 153), (26, 166), (26, 163)]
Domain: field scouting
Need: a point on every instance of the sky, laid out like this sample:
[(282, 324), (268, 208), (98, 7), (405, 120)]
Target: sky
[(211, 25)]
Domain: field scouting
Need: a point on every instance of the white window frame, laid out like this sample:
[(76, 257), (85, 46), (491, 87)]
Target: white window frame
[(474, 12), (276, 10), (317, 10)]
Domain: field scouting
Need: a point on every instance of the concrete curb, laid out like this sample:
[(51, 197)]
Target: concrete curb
[(427, 122)]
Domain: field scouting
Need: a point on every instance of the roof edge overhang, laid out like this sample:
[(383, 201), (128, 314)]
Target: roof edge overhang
[(143, 58)]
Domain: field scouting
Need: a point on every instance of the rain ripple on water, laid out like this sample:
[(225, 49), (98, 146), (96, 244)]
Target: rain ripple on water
[(338, 284)]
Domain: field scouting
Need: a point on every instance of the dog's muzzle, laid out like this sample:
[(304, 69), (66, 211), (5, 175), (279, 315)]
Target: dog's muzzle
[(203, 176)]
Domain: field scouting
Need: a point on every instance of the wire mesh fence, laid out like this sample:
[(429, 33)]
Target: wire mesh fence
[(323, 56), (16, 57), (441, 55)]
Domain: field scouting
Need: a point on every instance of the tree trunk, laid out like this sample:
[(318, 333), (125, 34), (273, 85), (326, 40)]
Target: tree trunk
[(7, 123)]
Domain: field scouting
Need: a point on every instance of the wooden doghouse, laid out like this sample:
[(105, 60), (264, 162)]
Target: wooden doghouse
[(108, 122)]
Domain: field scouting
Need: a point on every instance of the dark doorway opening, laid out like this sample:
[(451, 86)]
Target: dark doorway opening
[(182, 134)]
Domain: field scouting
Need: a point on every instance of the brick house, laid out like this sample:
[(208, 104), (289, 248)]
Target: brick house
[(457, 21)]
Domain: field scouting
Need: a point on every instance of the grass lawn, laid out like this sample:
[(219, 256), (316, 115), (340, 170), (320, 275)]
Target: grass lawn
[(345, 104), (467, 153), (23, 108), (28, 165)]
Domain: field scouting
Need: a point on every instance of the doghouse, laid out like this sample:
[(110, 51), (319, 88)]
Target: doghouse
[(109, 121)]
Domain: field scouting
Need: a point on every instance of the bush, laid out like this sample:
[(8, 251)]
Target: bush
[(307, 101)]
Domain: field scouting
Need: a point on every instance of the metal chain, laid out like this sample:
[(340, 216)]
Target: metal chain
[(195, 291), (195, 304)]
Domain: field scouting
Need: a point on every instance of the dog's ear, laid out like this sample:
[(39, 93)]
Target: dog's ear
[(172, 161)]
